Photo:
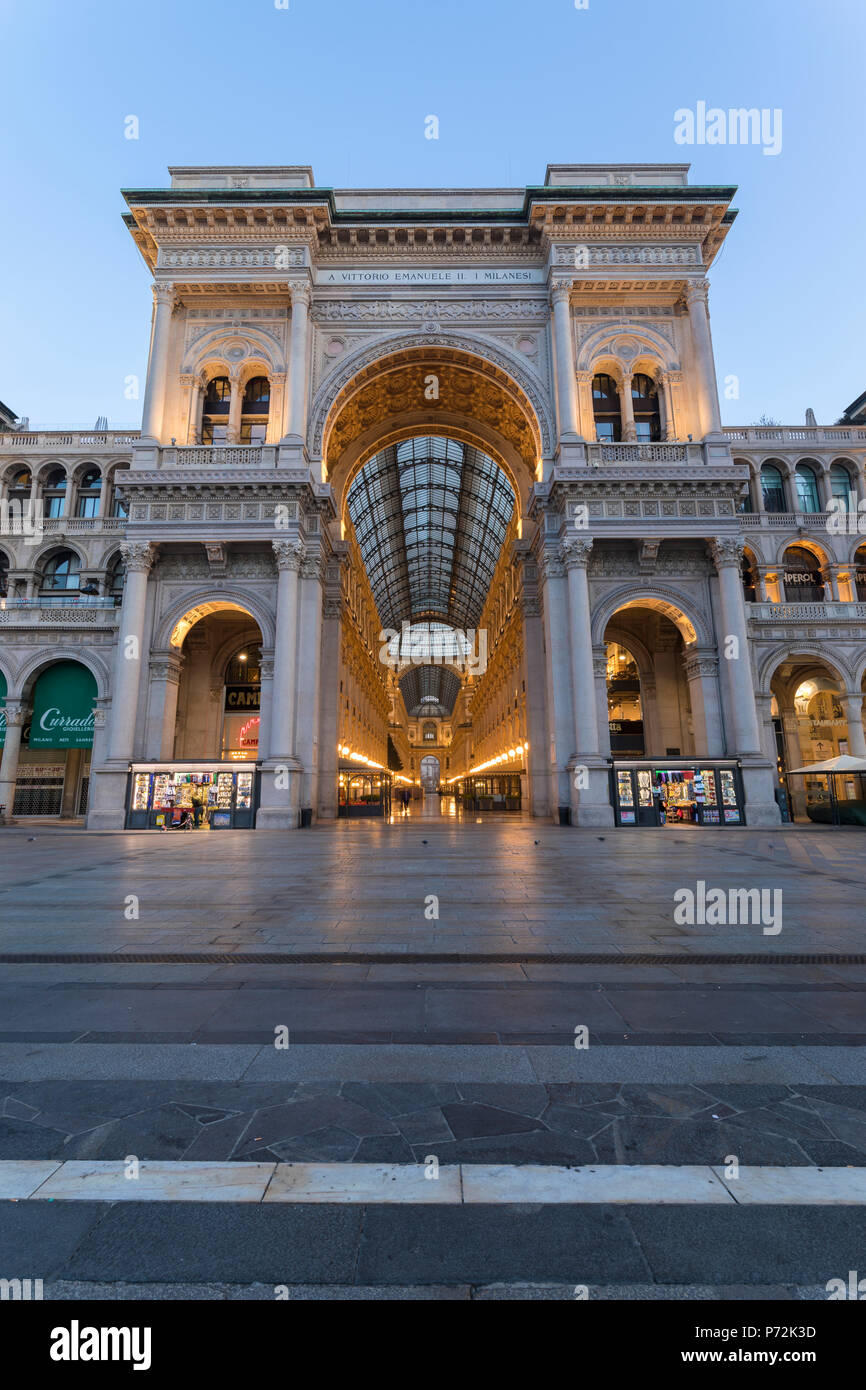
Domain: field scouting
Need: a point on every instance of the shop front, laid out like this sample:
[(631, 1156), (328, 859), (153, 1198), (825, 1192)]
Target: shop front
[(192, 796), (363, 794), (678, 793), (500, 791), (53, 775)]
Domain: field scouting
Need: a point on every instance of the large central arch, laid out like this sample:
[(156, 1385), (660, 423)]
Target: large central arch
[(412, 387)]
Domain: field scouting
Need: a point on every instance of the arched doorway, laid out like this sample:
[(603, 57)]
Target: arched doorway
[(430, 773), (53, 771), (432, 453)]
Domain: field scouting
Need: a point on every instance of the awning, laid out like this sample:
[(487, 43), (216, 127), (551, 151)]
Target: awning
[(843, 763), (63, 707)]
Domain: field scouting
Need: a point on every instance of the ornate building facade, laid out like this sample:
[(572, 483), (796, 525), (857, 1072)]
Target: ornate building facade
[(431, 484)]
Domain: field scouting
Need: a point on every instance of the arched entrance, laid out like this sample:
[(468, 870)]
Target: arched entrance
[(47, 746), (432, 453), (205, 707)]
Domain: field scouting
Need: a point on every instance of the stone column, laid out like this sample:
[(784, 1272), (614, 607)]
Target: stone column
[(560, 706), (309, 676), (563, 351), (266, 698), (104, 492), (130, 639), (330, 714), (702, 674), (538, 757), (162, 706), (590, 792), (280, 789), (758, 773), (577, 553), (629, 429), (157, 366), (301, 300), (599, 667), (236, 401), (585, 410), (853, 703), (16, 718), (108, 781), (702, 344)]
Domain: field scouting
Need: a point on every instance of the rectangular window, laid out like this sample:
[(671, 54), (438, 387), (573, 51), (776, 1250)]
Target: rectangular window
[(88, 506)]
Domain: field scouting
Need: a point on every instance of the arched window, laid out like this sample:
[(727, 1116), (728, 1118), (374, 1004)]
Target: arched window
[(606, 409), (803, 582), (645, 404), (215, 411), (254, 410), (88, 493), (116, 579), (808, 499), (750, 578), (4, 574), (842, 488), (19, 485), (860, 573), (61, 571), (54, 492), (772, 488)]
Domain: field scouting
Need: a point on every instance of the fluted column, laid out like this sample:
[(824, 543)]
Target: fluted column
[(853, 702), (301, 299), (702, 674), (563, 351), (309, 675), (702, 344), (289, 555), (165, 670), (16, 717), (727, 555), (576, 555), (560, 706), (130, 641), (157, 366)]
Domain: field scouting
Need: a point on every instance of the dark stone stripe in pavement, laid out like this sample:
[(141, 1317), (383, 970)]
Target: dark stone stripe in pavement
[(361, 957), (352, 1037), (428, 1245)]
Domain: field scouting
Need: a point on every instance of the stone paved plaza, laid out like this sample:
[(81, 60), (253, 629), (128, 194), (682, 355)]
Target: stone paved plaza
[(411, 1037)]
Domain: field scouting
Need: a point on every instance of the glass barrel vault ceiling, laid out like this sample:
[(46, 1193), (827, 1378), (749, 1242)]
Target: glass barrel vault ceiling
[(430, 690), (430, 515)]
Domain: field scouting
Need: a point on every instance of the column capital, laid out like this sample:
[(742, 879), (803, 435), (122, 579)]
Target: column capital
[(138, 556), (576, 553), (288, 554), (726, 551), (163, 292), (16, 714), (697, 292), (560, 291), (301, 293)]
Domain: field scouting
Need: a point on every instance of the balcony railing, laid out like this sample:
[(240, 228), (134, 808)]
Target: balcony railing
[(248, 456), (58, 611), (81, 524), (644, 453), (806, 612), (48, 440), (797, 434), (786, 520)]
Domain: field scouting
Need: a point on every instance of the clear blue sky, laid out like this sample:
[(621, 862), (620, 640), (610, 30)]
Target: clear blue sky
[(346, 86)]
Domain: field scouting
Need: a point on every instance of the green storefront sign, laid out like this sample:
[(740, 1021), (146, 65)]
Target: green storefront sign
[(63, 707), (3, 689)]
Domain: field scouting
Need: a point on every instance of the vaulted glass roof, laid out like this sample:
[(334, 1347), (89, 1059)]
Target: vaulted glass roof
[(430, 690), (430, 515)]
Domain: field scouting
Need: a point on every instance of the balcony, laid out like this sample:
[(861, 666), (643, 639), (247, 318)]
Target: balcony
[(789, 521), (58, 610), (831, 611), (598, 454), (797, 435), (80, 525), (49, 441), (247, 456)]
